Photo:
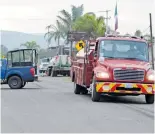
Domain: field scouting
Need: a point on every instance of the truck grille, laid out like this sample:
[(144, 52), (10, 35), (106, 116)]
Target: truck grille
[(128, 74)]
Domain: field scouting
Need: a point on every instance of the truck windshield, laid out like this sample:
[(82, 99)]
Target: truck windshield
[(123, 49)]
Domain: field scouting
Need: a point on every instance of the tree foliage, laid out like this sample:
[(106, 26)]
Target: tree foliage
[(31, 45), (56, 32), (138, 33), (95, 26), (64, 23)]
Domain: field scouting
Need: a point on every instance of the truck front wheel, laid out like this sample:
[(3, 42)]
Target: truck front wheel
[(149, 98), (95, 96), (15, 82)]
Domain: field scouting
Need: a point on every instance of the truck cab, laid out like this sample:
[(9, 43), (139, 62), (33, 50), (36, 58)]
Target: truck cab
[(19, 67), (117, 66), (43, 65)]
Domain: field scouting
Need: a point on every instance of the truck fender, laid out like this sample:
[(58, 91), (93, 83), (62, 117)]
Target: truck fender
[(13, 73)]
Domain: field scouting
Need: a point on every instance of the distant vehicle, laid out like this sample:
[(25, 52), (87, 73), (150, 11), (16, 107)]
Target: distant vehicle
[(59, 65), (19, 67), (43, 65), (117, 66)]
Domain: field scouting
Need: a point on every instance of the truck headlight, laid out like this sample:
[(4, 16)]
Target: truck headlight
[(102, 75), (151, 77)]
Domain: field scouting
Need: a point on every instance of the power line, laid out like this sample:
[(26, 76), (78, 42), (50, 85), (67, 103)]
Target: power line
[(107, 18), (146, 29)]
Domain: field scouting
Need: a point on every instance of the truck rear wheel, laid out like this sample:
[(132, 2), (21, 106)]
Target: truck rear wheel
[(24, 83), (53, 73), (95, 96), (48, 72), (15, 82), (77, 88), (149, 98)]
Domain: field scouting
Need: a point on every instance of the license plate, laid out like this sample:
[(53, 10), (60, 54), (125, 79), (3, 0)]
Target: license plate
[(128, 85)]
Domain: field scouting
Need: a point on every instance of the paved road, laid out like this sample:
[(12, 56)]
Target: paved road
[(50, 106)]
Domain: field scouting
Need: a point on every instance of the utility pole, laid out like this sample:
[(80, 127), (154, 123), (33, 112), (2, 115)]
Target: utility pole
[(48, 28), (107, 18), (152, 45), (71, 43)]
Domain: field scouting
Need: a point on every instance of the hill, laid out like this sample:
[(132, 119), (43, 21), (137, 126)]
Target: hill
[(13, 39)]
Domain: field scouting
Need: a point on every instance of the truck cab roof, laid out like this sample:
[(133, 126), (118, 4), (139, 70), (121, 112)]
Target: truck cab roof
[(129, 38)]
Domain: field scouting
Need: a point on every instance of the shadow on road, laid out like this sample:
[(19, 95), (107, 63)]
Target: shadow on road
[(20, 89), (118, 99)]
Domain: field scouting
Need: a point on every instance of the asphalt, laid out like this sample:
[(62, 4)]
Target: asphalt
[(50, 106)]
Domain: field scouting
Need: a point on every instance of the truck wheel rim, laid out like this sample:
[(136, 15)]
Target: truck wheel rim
[(14, 82)]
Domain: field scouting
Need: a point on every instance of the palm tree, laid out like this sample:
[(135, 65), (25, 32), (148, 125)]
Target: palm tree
[(64, 24), (31, 45), (56, 32), (48, 28), (138, 33), (68, 19)]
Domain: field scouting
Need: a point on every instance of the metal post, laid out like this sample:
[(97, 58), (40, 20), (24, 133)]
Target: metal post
[(48, 27), (106, 22), (152, 45), (107, 18)]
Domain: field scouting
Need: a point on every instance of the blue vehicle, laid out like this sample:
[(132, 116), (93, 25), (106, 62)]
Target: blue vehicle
[(19, 67)]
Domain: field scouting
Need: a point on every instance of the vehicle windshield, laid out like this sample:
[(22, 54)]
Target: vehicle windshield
[(124, 50), (45, 60)]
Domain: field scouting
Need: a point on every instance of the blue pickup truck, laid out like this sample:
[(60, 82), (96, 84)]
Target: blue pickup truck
[(19, 67)]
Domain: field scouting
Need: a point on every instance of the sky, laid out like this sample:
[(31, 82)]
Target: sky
[(32, 16)]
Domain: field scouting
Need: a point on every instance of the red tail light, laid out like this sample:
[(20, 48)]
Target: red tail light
[(32, 71)]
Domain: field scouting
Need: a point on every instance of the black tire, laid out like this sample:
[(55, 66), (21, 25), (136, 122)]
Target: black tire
[(84, 91), (149, 98), (95, 96), (52, 73), (24, 83), (68, 74), (48, 72), (15, 82), (77, 88)]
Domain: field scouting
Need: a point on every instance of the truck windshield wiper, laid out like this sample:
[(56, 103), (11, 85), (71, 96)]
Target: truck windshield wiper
[(109, 57), (134, 59)]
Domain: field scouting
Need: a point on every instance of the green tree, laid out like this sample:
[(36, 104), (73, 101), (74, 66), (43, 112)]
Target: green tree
[(56, 32), (68, 19), (63, 24), (91, 24), (138, 33), (31, 45)]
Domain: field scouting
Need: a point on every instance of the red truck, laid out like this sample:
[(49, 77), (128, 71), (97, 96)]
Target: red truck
[(116, 65)]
